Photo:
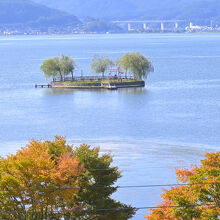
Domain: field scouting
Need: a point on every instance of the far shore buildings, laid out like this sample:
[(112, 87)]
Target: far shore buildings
[(127, 27), (197, 28)]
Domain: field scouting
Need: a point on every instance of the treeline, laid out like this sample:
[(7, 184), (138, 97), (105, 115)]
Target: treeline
[(133, 63)]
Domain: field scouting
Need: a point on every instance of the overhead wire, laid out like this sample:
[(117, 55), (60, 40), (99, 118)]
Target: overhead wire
[(117, 209), (108, 187)]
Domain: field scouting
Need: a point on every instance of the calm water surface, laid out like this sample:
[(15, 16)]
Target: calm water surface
[(170, 123)]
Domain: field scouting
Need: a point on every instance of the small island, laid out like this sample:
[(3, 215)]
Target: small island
[(127, 72)]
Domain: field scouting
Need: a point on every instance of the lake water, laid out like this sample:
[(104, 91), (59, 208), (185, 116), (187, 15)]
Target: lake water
[(170, 123)]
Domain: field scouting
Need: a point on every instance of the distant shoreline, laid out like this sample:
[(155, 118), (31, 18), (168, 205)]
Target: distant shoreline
[(109, 33)]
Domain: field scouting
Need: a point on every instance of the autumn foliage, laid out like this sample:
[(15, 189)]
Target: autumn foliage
[(200, 200), (53, 180)]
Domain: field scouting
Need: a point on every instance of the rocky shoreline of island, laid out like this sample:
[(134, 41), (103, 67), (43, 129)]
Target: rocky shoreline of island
[(99, 85)]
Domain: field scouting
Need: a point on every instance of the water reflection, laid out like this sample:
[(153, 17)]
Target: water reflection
[(64, 91), (137, 90)]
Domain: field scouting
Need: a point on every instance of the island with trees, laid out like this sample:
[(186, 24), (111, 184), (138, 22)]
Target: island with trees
[(130, 70)]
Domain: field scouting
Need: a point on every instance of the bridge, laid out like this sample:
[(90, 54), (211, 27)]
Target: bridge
[(145, 22)]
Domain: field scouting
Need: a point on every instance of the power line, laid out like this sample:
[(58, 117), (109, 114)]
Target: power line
[(120, 209), (156, 207), (118, 187), (164, 185), (126, 170), (174, 167)]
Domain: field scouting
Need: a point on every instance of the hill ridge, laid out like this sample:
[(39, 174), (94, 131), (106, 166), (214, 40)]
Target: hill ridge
[(139, 9), (29, 13)]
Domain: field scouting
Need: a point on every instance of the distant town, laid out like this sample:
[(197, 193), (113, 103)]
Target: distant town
[(167, 26), (145, 26)]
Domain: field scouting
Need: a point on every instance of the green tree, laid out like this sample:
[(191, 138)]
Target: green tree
[(67, 65), (56, 66), (51, 67), (101, 64), (136, 64), (54, 180), (97, 185)]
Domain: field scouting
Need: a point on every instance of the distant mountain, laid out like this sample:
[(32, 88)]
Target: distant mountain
[(139, 9), (28, 13), (92, 25)]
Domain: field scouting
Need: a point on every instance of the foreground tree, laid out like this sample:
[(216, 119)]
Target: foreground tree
[(37, 183), (136, 64), (200, 200), (61, 67), (101, 64), (51, 180)]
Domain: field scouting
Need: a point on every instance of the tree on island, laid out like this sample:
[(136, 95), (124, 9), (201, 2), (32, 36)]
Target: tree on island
[(101, 64), (54, 180), (198, 200), (136, 64), (67, 65), (51, 67), (60, 67)]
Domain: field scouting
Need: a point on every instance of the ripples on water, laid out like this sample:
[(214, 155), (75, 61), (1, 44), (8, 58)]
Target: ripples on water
[(186, 84), (170, 123)]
